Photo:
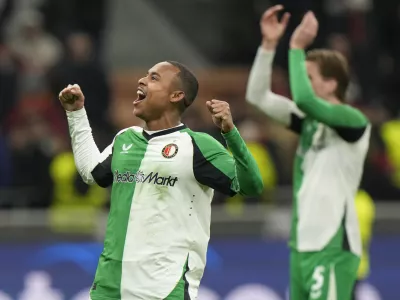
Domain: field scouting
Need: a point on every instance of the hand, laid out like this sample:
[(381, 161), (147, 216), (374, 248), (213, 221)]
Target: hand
[(221, 114), (305, 33), (72, 98), (271, 29)]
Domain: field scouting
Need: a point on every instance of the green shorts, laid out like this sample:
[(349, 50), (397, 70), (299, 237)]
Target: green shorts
[(324, 275)]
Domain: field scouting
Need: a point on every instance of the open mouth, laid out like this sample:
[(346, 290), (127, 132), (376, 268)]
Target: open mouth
[(141, 95)]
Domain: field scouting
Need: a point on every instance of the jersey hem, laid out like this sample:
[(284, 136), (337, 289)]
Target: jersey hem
[(327, 249)]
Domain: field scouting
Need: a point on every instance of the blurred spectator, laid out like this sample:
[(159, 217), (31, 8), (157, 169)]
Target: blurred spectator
[(35, 135), (38, 104), (390, 132), (340, 43), (31, 159), (73, 198), (379, 169), (388, 23), (251, 133), (36, 49), (365, 208), (5, 162), (62, 17), (6, 7), (354, 19), (8, 83), (280, 82), (80, 67)]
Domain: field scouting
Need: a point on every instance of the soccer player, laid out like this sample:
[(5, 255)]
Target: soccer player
[(162, 178), (334, 138)]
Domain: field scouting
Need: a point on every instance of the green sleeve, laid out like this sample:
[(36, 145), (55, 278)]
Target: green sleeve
[(333, 115), (215, 167)]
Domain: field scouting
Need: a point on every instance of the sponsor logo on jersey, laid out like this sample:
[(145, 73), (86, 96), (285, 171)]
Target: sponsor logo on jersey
[(170, 150), (125, 148), (140, 177)]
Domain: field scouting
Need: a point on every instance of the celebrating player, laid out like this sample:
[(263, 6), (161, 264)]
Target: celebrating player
[(334, 138), (162, 179)]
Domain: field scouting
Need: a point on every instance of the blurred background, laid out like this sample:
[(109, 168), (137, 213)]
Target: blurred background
[(52, 224)]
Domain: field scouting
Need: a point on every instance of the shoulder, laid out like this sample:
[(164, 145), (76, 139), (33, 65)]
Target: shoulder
[(203, 138), (205, 142), (123, 134), (358, 117), (134, 129)]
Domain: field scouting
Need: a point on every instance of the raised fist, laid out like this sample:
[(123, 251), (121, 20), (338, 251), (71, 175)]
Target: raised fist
[(221, 114), (72, 98)]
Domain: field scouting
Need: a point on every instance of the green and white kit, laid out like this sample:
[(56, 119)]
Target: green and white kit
[(333, 143), (159, 222)]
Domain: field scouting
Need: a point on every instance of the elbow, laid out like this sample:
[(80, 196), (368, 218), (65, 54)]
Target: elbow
[(87, 180), (258, 187), (258, 184), (86, 177), (302, 101), (255, 94), (299, 103), (251, 97)]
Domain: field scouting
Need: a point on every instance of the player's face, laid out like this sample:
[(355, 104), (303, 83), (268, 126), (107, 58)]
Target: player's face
[(323, 88), (155, 91)]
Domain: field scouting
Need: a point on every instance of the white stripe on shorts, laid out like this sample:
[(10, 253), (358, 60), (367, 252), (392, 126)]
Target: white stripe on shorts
[(332, 295)]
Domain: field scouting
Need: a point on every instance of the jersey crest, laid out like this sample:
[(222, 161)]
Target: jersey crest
[(170, 150)]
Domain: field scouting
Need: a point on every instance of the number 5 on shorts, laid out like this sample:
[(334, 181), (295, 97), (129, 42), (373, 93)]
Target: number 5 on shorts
[(318, 279), (323, 285)]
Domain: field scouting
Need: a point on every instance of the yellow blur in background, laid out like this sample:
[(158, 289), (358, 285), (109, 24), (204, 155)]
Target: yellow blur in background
[(366, 215)]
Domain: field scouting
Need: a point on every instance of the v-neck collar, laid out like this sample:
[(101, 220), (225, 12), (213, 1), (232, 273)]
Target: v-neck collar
[(163, 132)]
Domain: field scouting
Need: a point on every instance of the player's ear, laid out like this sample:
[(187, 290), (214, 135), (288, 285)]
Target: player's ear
[(177, 96)]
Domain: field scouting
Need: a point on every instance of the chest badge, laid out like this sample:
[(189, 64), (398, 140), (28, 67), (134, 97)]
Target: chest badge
[(170, 150)]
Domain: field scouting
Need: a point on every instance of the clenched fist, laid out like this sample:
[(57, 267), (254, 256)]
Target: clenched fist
[(72, 98), (221, 114)]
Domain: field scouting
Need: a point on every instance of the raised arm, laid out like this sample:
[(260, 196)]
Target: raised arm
[(213, 165), (93, 166), (85, 150), (333, 115), (260, 95), (348, 122), (229, 174), (258, 91)]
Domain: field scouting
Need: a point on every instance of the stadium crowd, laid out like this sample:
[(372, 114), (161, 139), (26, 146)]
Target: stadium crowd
[(41, 53)]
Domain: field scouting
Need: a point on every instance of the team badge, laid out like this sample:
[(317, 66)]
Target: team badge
[(170, 150)]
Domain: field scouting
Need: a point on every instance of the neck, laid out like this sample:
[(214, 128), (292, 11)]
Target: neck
[(334, 100), (165, 122)]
